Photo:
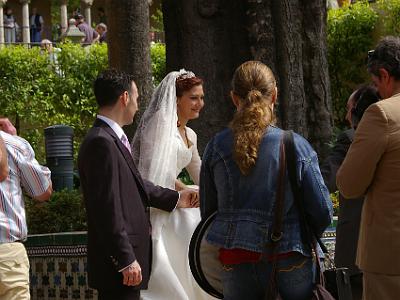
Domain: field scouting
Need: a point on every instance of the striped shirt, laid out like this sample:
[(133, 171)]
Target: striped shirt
[(24, 172)]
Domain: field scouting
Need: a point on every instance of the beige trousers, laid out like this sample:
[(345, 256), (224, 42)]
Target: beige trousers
[(14, 272), (381, 286)]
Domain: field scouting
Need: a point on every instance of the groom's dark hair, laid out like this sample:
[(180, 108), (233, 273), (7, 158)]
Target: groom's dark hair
[(109, 85)]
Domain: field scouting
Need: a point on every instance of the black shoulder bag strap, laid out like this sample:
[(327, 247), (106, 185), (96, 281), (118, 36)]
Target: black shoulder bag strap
[(306, 233), (277, 225)]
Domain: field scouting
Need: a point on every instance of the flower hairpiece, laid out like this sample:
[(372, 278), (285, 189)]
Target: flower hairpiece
[(183, 74)]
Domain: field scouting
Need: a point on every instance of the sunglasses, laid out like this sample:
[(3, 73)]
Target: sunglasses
[(371, 53)]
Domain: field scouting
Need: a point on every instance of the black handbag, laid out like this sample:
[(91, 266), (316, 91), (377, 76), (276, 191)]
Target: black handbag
[(337, 282)]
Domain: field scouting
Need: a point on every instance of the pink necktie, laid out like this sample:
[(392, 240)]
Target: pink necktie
[(124, 141)]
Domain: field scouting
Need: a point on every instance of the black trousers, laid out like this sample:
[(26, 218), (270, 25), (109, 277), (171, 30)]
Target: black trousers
[(125, 293)]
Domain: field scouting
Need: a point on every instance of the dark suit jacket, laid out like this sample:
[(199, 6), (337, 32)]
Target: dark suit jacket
[(117, 201), (348, 226)]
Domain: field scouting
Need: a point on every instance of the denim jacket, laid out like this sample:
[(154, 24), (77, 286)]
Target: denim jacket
[(245, 204)]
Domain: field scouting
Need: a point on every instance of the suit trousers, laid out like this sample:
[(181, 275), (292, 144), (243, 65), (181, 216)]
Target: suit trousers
[(14, 272), (124, 293), (381, 286)]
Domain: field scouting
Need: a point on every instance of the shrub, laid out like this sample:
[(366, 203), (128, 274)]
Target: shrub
[(35, 96), (391, 15), (64, 212), (335, 202), (350, 36), (35, 93), (158, 62)]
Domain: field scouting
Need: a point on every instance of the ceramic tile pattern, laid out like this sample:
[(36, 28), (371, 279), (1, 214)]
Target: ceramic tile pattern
[(58, 265), (59, 278)]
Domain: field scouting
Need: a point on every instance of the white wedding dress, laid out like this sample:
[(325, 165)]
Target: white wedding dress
[(160, 155), (171, 278)]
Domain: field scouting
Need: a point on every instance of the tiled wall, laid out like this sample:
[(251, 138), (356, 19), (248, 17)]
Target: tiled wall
[(59, 278), (58, 265)]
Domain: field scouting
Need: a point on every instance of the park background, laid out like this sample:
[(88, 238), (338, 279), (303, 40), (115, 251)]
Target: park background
[(318, 55)]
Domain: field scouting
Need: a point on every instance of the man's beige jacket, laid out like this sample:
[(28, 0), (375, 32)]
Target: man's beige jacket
[(372, 167)]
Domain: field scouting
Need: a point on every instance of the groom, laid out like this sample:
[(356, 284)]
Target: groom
[(117, 199)]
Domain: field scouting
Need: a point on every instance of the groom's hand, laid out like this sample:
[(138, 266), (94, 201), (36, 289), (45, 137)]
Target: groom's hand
[(132, 275), (188, 198)]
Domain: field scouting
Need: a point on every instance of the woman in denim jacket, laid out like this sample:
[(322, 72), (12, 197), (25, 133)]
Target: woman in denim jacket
[(238, 180)]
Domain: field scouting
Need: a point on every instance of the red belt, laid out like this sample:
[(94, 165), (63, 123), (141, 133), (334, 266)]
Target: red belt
[(238, 256)]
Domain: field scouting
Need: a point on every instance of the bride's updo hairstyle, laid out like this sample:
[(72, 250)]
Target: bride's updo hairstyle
[(186, 82), (254, 84)]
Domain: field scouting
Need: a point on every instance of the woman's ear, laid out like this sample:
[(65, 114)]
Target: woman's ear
[(235, 100), (274, 95)]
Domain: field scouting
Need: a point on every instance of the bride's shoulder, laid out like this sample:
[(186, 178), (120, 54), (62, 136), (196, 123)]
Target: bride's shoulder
[(191, 134)]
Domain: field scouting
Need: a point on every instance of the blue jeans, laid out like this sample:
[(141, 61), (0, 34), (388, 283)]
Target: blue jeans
[(295, 277), (35, 36)]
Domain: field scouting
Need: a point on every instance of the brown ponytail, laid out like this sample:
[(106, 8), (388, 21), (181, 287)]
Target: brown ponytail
[(254, 84)]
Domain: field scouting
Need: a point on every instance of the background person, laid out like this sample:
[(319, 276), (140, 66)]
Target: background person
[(348, 225), (24, 173), (101, 29), (372, 168), (91, 36), (10, 26), (36, 26)]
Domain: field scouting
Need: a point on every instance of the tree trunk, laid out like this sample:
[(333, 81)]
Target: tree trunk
[(204, 36), (214, 37), (129, 47)]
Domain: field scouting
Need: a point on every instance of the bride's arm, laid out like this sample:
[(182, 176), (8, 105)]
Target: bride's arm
[(193, 167), (179, 185)]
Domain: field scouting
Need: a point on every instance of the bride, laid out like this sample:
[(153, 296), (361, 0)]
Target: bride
[(162, 147)]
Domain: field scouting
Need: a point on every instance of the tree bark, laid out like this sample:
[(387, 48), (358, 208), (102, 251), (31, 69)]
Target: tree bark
[(213, 37), (208, 38), (129, 47)]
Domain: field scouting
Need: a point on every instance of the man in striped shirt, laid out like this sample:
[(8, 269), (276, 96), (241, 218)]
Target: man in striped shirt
[(24, 172)]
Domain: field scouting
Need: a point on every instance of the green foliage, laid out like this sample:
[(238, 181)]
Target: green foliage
[(64, 212), (158, 62), (36, 93), (76, 105), (349, 37), (185, 177), (157, 20), (391, 10)]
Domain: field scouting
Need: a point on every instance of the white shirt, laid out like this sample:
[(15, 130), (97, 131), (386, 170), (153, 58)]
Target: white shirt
[(25, 172), (114, 126)]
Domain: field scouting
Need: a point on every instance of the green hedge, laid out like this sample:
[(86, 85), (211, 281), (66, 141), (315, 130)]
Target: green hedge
[(350, 36), (64, 212), (391, 15), (158, 62), (36, 93), (351, 32)]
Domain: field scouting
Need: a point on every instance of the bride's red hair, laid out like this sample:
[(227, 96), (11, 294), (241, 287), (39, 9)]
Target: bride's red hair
[(184, 84)]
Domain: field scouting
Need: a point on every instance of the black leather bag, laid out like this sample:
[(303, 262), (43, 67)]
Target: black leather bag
[(337, 282)]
